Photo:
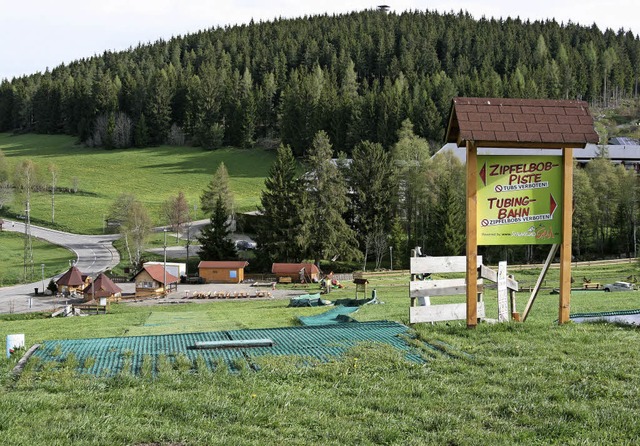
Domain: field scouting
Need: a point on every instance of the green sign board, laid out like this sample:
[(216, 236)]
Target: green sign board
[(519, 200)]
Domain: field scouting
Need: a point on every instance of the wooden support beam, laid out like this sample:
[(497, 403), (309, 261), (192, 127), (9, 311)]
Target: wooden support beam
[(484, 272), (512, 301), (565, 248), (543, 273), (472, 235)]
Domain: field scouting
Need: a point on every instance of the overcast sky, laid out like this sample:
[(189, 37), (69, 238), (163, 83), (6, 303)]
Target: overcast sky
[(37, 34)]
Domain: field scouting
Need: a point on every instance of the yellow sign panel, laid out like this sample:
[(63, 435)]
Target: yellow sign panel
[(519, 200)]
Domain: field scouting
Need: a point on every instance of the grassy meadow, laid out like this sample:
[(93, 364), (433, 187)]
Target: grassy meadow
[(516, 383), (151, 174), (55, 259)]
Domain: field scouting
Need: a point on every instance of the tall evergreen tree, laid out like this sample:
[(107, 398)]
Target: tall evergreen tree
[(159, 108), (324, 230), (445, 193), (217, 187), (214, 238), (373, 191), (280, 221)]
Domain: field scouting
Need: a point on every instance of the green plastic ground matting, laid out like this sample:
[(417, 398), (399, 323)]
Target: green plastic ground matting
[(335, 315), (107, 356), (626, 317)]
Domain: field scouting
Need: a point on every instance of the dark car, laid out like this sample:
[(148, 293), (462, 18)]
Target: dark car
[(243, 245)]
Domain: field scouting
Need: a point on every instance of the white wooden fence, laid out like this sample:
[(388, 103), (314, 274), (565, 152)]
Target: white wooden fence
[(445, 287)]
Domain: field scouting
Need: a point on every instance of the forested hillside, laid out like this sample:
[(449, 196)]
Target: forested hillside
[(355, 76)]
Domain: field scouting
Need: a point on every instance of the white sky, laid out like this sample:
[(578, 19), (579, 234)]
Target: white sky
[(36, 34)]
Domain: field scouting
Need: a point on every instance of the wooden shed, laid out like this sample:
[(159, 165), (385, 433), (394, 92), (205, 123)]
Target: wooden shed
[(150, 281), (297, 272), (228, 271)]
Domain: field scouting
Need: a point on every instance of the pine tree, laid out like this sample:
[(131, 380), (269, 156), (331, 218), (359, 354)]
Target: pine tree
[(214, 238), (141, 132), (159, 108), (280, 221), (217, 187), (372, 181), (324, 231)]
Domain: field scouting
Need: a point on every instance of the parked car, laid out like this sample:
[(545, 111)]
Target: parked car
[(618, 286), (242, 245)]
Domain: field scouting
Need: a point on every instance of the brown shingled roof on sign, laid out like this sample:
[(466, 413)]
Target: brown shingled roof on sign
[(526, 123)]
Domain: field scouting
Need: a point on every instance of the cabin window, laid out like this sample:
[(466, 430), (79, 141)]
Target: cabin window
[(233, 274)]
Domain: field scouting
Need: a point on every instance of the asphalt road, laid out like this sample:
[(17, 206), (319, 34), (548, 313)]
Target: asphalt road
[(94, 254)]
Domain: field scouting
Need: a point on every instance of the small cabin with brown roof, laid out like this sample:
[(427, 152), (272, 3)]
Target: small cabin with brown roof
[(150, 281), (71, 282), (104, 287), (231, 271), (297, 272)]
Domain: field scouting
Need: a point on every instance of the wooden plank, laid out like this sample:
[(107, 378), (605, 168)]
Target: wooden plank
[(436, 265), (472, 235), (17, 370), (484, 272), (512, 302), (565, 247), (445, 287), (503, 301), (441, 313), (543, 273)]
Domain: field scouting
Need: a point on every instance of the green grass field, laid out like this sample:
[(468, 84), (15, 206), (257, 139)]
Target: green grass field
[(151, 174), (55, 259), (518, 383)]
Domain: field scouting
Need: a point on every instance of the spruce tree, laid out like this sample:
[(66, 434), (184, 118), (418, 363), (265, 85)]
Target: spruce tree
[(324, 231), (373, 190), (280, 220), (214, 238), (217, 187)]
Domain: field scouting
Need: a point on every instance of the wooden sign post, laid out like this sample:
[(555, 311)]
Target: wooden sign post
[(472, 235), (525, 198), (565, 247)]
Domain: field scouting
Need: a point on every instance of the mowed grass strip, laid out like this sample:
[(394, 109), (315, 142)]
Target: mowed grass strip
[(54, 258), (151, 174), (531, 383)]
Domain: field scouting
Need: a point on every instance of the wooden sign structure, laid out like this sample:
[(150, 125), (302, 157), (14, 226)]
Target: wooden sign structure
[(519, 124)]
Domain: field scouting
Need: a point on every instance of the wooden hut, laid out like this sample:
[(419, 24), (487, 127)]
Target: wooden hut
[(104, 287), (71, 282), (222, 271), (150, 281), (296, 272)]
